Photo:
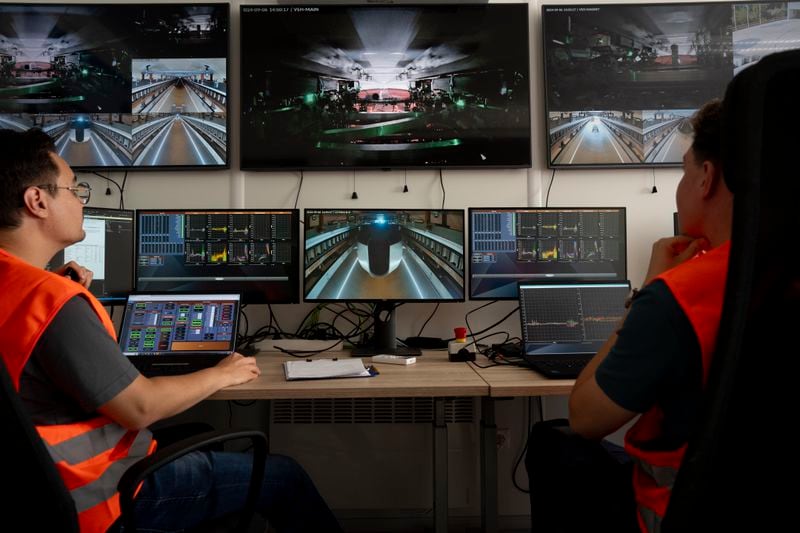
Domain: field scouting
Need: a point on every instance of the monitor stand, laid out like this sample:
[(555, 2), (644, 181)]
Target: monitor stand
[(383, 339)]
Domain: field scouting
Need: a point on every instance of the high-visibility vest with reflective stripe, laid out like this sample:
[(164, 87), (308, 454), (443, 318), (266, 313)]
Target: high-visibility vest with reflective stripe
[(698, 286), (90, 455)]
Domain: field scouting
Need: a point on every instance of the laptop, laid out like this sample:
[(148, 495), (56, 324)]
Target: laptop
[(178, 333), (564, 325)]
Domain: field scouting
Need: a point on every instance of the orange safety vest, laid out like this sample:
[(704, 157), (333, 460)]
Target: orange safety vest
[(699, 288), (90, 455)]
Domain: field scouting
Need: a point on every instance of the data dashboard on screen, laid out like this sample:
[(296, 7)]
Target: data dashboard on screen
[(119, 86), (250, 251), (106, 250), (383, 255), (569, 245), (623, 80), (385, 86)]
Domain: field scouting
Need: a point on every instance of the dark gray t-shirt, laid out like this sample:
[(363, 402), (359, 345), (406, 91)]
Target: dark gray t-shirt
[(75, 368), (656, 361)]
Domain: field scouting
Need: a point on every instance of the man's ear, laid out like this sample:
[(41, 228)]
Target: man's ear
[(711, 178), (36, 202)]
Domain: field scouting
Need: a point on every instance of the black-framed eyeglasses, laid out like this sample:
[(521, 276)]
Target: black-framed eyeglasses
[(82, 190)]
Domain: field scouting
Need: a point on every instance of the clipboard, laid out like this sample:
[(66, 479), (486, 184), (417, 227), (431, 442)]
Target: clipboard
[(327, 368)]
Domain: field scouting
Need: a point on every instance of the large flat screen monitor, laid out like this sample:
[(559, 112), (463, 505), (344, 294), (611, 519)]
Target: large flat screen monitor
[(622, 80), (106, 250), (119, 86), (251, 251), (385, 86), (383, 256), (568, 245)]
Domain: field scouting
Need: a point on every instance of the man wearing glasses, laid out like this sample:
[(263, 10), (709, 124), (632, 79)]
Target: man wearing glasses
[(90, 405)]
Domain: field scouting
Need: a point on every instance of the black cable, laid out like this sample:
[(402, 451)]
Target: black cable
[(441, 182), (241, 338), (109, 180), (484, 330), (354, 196), (122, 191), (405, 180), (654, 190), (272, 316), (429, 319), (299, 188), (522, 454), (552, 178)]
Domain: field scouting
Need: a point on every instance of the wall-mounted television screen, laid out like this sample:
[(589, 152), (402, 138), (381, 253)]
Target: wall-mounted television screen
[(385, 86), (251, 251), (563, 244), (623, 80), (119, 86)]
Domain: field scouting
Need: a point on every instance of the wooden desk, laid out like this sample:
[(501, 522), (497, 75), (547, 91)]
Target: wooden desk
[(432, 376), (505, 381)]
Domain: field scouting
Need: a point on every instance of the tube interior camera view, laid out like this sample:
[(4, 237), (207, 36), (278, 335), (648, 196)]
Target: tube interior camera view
[(129, 86), (384, 255), (330, 87), (623, 80)]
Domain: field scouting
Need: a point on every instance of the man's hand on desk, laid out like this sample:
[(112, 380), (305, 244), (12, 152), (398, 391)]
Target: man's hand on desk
[(239, 369)]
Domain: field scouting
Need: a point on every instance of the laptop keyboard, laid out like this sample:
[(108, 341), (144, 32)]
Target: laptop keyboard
[(561, 368), (166, 370)]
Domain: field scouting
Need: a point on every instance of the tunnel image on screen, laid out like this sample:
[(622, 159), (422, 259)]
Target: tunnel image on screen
[(331, 87), (622, 80), (118, 86), (383, 255)]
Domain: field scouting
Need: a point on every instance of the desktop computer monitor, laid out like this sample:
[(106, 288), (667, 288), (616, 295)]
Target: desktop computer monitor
[(386, 257), (107, 250), (511, 244), (251, 251)]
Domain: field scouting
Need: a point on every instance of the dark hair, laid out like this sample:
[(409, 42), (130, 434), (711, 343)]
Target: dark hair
[(707, 125), (24, 161)]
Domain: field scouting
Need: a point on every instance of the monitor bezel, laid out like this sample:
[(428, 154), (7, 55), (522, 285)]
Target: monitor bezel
[(380, 300), (572, 281), (161, 3), (246, 300), (326, 168)]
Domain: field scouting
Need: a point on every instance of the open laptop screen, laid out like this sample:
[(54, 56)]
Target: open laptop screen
[(576, 317), (174, 324)]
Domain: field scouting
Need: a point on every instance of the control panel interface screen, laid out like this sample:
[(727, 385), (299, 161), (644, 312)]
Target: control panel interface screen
[(508, 245), (162, 324)]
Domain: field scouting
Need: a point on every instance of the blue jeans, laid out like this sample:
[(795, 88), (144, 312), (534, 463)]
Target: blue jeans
[(206, 485)]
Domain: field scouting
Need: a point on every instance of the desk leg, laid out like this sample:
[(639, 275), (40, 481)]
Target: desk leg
[(440, 502), (489, 510)]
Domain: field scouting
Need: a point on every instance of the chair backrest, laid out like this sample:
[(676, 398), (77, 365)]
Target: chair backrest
[(740, 446), (35, 495)]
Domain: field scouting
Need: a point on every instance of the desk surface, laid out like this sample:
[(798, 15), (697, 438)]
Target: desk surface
[(431, 376), (508, 381)]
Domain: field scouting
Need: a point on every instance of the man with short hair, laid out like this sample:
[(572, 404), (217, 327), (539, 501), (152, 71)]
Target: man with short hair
[(654, 366), (89, 404)]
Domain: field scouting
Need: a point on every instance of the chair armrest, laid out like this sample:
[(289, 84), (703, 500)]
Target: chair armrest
[(138, 472)]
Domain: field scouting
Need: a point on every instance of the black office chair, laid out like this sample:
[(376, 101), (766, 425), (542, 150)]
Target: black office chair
[(740, 458), (36, 496)]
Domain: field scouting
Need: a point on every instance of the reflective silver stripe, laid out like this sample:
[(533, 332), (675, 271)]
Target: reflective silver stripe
[(651, 520), (664, 476), (83, 447), (105, 486)]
